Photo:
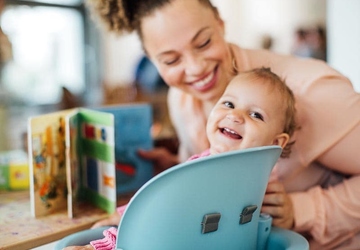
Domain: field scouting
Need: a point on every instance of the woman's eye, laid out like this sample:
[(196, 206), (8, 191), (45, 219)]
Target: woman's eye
[(257, 115), (229, 105), (205, 43), (171, 62)]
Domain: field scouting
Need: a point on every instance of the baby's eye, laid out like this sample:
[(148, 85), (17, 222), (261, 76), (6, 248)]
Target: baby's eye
[(229, 104), (257, 115)]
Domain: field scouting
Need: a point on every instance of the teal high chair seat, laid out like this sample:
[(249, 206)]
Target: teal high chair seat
[(208, 203)]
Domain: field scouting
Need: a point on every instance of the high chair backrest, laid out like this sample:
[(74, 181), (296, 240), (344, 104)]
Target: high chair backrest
[(208, 203)]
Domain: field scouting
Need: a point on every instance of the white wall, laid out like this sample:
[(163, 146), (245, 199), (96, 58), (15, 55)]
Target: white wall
[(248, 20), (344, 38), (122, 54)]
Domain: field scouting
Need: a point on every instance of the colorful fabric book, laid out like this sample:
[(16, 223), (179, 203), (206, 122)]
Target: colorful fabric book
[(88, 154), (71, 159)]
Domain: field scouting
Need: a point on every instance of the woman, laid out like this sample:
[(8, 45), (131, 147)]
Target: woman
[(316, 190)]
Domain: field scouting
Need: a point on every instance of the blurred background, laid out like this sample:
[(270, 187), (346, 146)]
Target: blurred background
[(54, 56)]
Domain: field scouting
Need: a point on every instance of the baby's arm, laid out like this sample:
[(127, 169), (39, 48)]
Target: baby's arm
[(108, 242)]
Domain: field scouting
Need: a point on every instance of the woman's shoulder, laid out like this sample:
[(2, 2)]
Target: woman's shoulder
[(299, 73), (252, 58)]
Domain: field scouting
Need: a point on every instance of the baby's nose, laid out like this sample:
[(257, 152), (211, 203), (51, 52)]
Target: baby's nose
[(236, 117)]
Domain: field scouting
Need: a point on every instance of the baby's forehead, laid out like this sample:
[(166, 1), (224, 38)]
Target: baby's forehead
[(247, 79), (240, 77), (259, 86)]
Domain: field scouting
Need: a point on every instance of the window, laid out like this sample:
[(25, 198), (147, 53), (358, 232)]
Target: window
[(48, 47)]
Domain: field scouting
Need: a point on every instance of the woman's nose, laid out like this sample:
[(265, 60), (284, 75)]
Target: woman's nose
[(235, 116), (194, 65)]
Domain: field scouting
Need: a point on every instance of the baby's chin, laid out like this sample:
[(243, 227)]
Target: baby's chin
[(218, 150)]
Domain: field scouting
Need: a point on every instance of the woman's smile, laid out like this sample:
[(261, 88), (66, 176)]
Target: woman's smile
[(205, 83)]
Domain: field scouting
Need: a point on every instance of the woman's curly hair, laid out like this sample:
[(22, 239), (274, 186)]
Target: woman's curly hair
[(125, 15)]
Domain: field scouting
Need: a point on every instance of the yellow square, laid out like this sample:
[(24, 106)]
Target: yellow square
[(19, 176)]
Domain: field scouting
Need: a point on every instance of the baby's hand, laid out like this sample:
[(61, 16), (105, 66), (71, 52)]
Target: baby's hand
[(87, 247)]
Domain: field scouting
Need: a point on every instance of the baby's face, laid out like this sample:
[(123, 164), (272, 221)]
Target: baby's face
[(249, 114)]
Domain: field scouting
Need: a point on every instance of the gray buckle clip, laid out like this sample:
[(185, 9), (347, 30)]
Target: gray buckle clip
[(247, 214), (210, 222)]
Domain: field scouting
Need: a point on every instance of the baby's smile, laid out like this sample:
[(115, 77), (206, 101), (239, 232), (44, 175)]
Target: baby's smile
[(230, 133)]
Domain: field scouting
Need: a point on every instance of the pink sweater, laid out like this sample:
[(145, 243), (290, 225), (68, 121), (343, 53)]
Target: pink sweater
[(109, 240), (322, 173)]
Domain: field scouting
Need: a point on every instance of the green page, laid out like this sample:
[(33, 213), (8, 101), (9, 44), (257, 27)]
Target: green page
[(93, 140)]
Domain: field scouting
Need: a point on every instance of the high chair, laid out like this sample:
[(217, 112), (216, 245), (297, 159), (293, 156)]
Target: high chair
[(208, 203)]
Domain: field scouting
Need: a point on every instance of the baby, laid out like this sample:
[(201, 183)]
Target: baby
[(256, 109)]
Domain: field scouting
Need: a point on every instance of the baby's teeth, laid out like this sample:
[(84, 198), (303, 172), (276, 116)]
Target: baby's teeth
[(230, 131)]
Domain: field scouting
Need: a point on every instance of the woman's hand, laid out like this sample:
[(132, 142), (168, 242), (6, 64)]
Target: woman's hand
[(112, 220), (161, 157), (87, 247), (277, 203)]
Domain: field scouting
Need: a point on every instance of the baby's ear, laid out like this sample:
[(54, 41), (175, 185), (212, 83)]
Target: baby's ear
[(281, 140)]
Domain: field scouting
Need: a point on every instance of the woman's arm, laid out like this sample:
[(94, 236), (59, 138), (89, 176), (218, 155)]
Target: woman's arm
[(330, 215), (344, 155), (333, 214), (330, 136)]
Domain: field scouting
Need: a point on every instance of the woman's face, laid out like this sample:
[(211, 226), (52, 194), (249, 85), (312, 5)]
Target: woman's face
[(249, 114), (185, 40)]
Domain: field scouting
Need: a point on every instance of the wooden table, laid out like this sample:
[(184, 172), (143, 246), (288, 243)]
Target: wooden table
[(19, 230)]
